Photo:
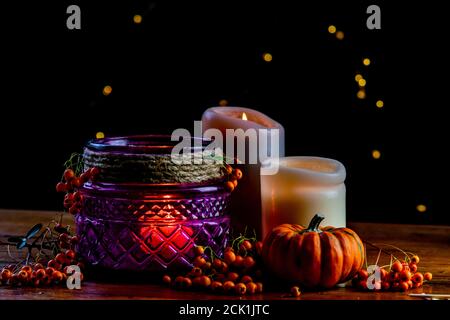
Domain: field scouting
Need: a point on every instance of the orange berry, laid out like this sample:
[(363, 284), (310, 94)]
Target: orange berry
[(217, 264), (383, 274), (179, 281), (295, 291), (248, 262), (23, 276), (405, 275), (363, 274), (415, 259), (217, 286), (229, 186), (205, 281), (410, 284), (27, 269), (5, 275), (246, 279), (404, 286), (199, 261), (397, 266), (235, 183), (239, 261), (417, 277), (196, 272), (385, 285), (413, 267), (233, 276), (228, 286), (229, 169), (207, 266), (224, 267), (57, 276), (199, 250), (40, 274), (167, 280), (237, 174), (246, 245), (229, 257), (186, 283), (428, 276), (240, 289), (251, 287)]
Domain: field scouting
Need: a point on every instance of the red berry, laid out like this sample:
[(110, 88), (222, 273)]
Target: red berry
[(40, 274), (428, 276), (295, 291), (70, 255), (362, 284), (94, 172), (5, 275), (404, 286), (61, 258), (363, 274), (57, 276), (38, 266), (61, 187), (413, 267), (85, 176), (246, 245), (248, 262), (69, 174), (417, 277), (23, 276), (74, 240), (415, 259), (240, 289), (167, 280), (383, 274), (76, 182), (397, 266), (73, 209), (405, 275), (385, 285), (53, 264)]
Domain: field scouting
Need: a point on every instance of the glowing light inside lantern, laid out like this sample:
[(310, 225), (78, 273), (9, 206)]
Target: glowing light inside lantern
[(380, 104), (244, 116), (100, 135), (358, 77), (340, 35), (366, 61), (332, 29)]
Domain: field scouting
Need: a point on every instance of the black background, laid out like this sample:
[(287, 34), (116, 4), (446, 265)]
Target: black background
[(186, 57)]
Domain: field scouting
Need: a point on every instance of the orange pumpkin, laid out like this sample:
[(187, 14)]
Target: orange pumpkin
[(314, 257)]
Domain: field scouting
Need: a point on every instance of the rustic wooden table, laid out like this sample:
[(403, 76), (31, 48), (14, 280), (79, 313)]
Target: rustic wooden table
[(431, 243)]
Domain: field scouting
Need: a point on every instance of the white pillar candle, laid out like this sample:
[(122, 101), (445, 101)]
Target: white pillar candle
[(303, 187), (246, 200)]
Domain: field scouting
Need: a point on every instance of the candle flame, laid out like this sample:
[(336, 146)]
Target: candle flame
[(244, 116)]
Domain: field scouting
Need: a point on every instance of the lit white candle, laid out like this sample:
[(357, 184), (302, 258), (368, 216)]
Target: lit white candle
[(303, 187), (246, 200)]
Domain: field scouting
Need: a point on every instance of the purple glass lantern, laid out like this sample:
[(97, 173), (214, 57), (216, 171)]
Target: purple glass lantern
[(145, 213)]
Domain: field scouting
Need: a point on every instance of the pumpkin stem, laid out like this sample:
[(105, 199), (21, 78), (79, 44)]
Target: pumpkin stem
[(315, 222)]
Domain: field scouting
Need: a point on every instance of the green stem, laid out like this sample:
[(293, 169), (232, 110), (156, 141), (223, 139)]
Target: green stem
[(315, 222)]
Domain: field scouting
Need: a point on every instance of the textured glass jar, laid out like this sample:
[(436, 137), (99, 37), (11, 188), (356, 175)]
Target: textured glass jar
[(141, 226)]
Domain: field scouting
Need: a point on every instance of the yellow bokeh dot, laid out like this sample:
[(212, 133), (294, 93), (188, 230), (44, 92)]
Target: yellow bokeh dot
[(267, 57), (361, 94), (100, 135), (380, 104), (421, 208), (358, 77), (366, 61), (332, 29), (362, 82), (223, 103), (107, 90), (376, 154), (137, 18), (340, 35)]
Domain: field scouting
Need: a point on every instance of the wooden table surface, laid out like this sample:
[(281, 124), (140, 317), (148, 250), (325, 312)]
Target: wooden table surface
[(431, 243)]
